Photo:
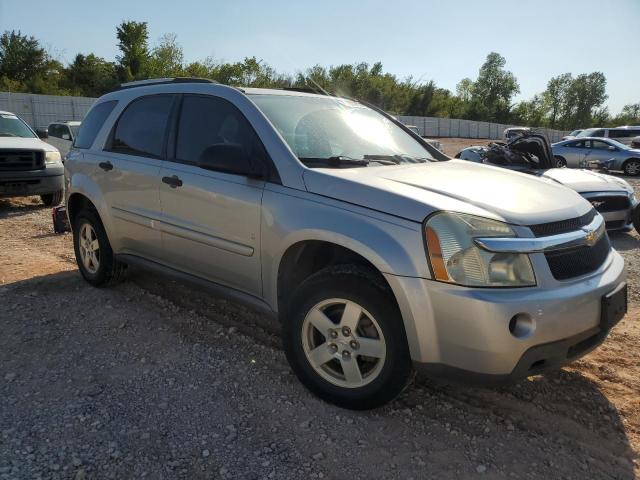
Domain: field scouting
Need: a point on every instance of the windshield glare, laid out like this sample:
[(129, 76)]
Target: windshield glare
[(321, 128), (12, 126)]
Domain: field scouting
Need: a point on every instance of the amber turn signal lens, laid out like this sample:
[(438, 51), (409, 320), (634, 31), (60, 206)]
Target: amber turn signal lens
[(435, 256)]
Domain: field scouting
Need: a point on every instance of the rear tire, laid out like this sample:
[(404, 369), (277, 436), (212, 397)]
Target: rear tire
[(94, 255), (52, 199), (560, 161), (632, 167), (335, 316)]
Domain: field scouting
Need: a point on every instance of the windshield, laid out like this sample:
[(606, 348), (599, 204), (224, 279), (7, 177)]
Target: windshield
[(591, 132), (575, 132), (74, 130), (329, 127), (12, 126)]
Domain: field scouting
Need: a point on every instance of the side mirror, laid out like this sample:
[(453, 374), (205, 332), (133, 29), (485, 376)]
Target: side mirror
[(229, 158), (612, 148), (66, 136), (42, 133)]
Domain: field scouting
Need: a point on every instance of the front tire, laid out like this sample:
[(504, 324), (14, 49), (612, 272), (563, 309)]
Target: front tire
[(345, 340), (52, 199), (632, 167), (94, 255)]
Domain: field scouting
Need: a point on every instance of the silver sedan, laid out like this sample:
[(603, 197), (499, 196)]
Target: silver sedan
[(611, 154)]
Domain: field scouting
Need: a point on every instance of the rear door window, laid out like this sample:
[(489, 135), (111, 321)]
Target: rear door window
[(92, 124), (142, 128)]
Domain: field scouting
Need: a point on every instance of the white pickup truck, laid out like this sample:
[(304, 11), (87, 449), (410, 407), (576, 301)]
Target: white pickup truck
[(28, 166)]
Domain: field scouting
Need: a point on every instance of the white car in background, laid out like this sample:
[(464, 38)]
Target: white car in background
[(62, 134), (611, 196)]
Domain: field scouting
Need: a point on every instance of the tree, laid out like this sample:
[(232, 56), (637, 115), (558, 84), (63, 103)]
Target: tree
[(133, 38), (464, 89), (90, 76), (555, 97), (495, 87), (21, 57), (585, 94), (167, 59)]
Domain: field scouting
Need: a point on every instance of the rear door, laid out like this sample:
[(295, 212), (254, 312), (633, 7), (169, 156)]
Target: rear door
[(128, 173), (211, 220)]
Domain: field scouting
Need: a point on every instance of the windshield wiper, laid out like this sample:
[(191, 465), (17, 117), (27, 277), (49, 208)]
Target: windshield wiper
[(335, 161), (395, 159)]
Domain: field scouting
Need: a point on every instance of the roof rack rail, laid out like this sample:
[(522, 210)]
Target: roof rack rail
[(305, 90), (162, 81)]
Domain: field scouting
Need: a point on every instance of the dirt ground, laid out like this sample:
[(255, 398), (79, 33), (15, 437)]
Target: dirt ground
[(155, 379)]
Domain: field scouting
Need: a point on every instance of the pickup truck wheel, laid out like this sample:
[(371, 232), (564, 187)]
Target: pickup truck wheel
[(52, 199), (94, 255), (345, 339)]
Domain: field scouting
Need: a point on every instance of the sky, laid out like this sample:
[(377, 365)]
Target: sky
[(443, 41)]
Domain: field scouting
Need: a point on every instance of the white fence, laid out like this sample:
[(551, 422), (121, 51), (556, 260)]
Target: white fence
[(453, 127), (41, 110)]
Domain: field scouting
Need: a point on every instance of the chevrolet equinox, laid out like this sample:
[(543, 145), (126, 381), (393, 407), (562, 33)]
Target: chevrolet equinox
[(375, 251)]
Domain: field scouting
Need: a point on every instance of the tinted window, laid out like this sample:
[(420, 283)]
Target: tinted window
[(206, 121), (599, 145), (54, 130), (597, 133), (623, 133), (92, 124), (579, 144), (141, 128)]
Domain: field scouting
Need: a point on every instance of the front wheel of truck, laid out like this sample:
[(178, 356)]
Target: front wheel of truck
[(345, 340)]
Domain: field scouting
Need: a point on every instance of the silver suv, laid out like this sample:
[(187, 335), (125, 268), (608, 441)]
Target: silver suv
[(375, 251)]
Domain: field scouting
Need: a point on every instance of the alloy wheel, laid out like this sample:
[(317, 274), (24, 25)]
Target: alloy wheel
[(89, 248), (343, 343)]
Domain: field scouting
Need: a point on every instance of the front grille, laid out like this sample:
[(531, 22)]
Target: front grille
[(563, 226), (21, 160), (615, 224), (566, 264), (611, 203)]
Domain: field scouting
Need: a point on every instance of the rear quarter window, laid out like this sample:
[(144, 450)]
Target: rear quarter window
[(92, 124)]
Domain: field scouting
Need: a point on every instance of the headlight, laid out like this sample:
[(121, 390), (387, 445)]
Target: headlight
[(52, 157), (455, 258)]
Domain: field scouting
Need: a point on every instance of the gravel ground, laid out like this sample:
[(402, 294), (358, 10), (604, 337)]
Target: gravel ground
[(154, 379)]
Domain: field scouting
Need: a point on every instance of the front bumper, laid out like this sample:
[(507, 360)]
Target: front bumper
[(615, 220), (456, 330), (35, 182)]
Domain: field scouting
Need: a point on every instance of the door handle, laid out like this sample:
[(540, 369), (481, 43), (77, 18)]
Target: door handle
[(173, 181), (106, 166)]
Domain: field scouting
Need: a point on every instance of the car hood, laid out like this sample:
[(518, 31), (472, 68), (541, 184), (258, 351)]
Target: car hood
[(583, 181), (27, 143), (415, 191)]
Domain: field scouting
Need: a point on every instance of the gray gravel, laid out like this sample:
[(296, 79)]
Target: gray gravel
[(151, 379)]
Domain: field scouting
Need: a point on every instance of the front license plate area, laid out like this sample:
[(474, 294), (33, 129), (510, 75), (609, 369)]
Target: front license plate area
[(614, 307)]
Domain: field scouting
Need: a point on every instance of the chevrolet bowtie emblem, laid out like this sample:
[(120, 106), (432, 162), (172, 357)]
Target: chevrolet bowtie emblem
[(591, 236)]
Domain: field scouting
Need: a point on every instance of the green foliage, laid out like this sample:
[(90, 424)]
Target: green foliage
[(567, 103), (133, 42)]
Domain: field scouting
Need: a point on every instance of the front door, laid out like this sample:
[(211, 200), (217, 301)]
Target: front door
[(211, 220)]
